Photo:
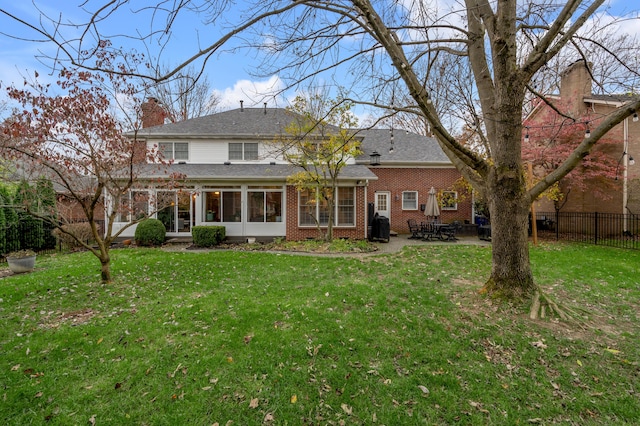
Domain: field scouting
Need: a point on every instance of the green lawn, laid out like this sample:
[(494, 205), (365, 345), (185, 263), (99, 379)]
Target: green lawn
[(261, 338)]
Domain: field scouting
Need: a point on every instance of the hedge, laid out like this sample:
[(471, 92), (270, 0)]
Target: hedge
[(150, 232), (208, 236)]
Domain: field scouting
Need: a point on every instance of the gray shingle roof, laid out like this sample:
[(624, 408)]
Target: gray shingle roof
[(244, 171), (264, 123), (246, 122), (408, 148), (619, 98)]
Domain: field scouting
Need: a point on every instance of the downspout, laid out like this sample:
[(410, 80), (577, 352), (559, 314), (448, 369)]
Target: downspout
[(366, 210)]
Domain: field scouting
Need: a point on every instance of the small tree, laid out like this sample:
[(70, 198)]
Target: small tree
[(75, 140), (320, 141), (548, 140)]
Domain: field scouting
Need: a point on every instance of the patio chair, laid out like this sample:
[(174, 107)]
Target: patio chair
[(449, 232), (415, 229), (429, 231)]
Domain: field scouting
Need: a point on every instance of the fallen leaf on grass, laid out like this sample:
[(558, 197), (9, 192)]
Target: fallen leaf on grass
[(348, 410), (254, 403), (39, 395), (539, 344), (478, 406), (613, 351), (294, 398), (15, 367), (423, 389), (92, 420)]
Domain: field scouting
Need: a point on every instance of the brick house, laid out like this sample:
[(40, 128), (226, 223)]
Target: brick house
[(407, 173), (577, 97), (230, 178)]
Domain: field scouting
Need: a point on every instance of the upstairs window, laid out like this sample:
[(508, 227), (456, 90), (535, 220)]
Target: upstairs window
[(243, 151), (177, 151)]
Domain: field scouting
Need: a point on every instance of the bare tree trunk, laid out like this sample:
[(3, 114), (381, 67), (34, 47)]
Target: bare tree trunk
[(506, 191), (511, 275), (105, 269)]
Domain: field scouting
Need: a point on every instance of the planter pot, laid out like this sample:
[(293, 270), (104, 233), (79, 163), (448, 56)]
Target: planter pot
[(18, 265), (251, 240)]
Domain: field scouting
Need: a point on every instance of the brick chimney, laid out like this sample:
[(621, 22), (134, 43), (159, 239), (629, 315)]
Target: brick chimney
[(575, 81), (153, 113)]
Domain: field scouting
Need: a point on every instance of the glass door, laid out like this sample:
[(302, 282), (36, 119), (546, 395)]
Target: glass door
[(382, 204), (184, 212), (167, 212)]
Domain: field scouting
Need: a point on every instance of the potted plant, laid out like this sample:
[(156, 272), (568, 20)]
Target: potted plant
[(21, 261)]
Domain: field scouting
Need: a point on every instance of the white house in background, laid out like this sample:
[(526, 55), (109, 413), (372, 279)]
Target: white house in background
[(232, 180)]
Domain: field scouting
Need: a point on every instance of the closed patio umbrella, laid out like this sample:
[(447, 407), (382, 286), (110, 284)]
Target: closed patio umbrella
[(431, 208)]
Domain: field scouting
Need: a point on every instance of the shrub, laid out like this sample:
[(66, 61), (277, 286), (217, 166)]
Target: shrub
[(150, 232), (208, 236), (81, 230)]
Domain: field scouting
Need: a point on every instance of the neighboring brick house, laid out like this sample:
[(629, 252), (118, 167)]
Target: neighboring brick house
[(231, 178), (576, 95)]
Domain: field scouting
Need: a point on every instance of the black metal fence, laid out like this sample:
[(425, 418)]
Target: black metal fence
[(607, 229), (37, 235)]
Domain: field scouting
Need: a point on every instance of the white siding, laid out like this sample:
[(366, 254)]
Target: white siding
[(216, 151)]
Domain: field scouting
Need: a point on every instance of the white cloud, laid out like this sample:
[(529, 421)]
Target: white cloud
[(253, 93)]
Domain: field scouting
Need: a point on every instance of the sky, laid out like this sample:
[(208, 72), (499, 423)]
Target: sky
[(229, 74)]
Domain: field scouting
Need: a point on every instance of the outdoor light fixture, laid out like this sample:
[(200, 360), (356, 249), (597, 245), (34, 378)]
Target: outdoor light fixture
[(526, 135), (631, 161), (587, 134), (374, 158), (635, 117)]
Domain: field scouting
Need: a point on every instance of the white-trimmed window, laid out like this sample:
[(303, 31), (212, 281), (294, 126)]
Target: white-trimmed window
[(134, 206), (243, 151), (177, 151), (410, 200), (449, 200), (264, 204), (311, 207), (222, 204)]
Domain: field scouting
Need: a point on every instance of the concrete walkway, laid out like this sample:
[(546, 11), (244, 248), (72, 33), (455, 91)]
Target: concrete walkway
[(397, 242)]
